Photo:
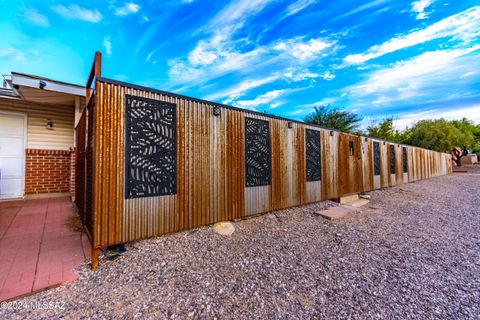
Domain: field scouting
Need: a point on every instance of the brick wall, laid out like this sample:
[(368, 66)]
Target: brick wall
[(72, 172), (47, 171)]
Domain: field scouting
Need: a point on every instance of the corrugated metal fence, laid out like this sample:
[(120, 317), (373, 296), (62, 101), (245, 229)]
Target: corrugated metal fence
[(210, 167)]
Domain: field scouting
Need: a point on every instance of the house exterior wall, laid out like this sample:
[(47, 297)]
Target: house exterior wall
[(47, 171), (210, 167), (49, 156)]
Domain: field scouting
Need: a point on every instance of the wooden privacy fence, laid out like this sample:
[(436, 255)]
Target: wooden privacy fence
[(162, 163)]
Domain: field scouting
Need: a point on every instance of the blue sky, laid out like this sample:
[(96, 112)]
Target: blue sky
[(408, 59)]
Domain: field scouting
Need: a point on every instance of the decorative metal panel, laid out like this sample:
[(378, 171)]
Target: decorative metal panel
[(376, 158), (405, 159), (150, 147), (393, 164), (351, 148), (257, 152), (313, 155)]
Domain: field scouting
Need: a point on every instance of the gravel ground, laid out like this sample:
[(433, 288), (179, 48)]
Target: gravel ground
[(470, 168), (413, 252)]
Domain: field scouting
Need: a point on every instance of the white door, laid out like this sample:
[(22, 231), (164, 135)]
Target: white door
[(12, 155)]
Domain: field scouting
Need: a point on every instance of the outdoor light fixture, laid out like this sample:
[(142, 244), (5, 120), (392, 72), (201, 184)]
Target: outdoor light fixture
[(49, 124), (384, 142), (290, 124), (216, 111), (366, 139), (42, 84), (331, 133)]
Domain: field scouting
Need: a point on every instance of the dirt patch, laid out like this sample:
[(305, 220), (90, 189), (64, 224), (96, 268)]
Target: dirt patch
[(74, 223)]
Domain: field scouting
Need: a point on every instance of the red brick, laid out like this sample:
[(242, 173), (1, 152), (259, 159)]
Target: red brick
[(49, 171)]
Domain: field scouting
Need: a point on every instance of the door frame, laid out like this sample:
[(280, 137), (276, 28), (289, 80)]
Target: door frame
[(24, 115)]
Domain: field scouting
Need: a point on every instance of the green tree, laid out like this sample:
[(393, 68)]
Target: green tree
[(471, 130), (439, 135), (384, 130), (334, 118)]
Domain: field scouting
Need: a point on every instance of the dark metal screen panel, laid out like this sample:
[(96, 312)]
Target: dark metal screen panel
[(405, 159), (313, 155), (376, 158), (393, 164), (150, 147), (257, 152)]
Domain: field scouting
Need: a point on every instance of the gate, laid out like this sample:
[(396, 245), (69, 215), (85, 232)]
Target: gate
[(350, 164)]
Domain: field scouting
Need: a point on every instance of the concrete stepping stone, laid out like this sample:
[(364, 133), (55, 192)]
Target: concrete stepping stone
[(338, 212), (224, 228)]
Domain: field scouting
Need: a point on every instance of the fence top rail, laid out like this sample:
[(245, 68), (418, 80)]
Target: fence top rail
[(228, 107)]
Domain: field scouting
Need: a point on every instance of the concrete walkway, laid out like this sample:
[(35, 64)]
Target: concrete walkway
[(37, 248)]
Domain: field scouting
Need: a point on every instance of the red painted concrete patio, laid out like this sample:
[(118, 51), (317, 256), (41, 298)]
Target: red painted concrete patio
[(37, 248)]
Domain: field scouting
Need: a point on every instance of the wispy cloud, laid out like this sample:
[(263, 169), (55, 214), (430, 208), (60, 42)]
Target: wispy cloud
[(75, 12), (419, 8), (264, 100), (217, 49), (108, 45), (13, 54), (241, 89), (126, 9), (298, 6), (463, 26), (361, 8), (300, 75), (303, 50), (453, 113), (431, 76), (32, 16)]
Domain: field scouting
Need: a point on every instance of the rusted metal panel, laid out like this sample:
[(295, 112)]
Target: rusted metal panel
[(367, 164), (350, 169), (399, 165), (330, 167), (210, 173)]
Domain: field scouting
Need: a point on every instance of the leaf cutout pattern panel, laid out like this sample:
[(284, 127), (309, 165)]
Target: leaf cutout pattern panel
[(376, 158), (313, 155), (393, 164), (150, 147), (405, 159), (257, 152)]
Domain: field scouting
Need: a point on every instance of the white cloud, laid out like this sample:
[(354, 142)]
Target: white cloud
[(303, 50), (242, 88), (463, 26), (468, 74), (220, 53), (217, 53), (419, 7), (126, 9), (261, 100), (13, 54), (432, 75), (108, 45), (32, 16), (298, 6), (361, 8), (203, 54), (471, 112), (295, 75), (328, 76), (76, 12)]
